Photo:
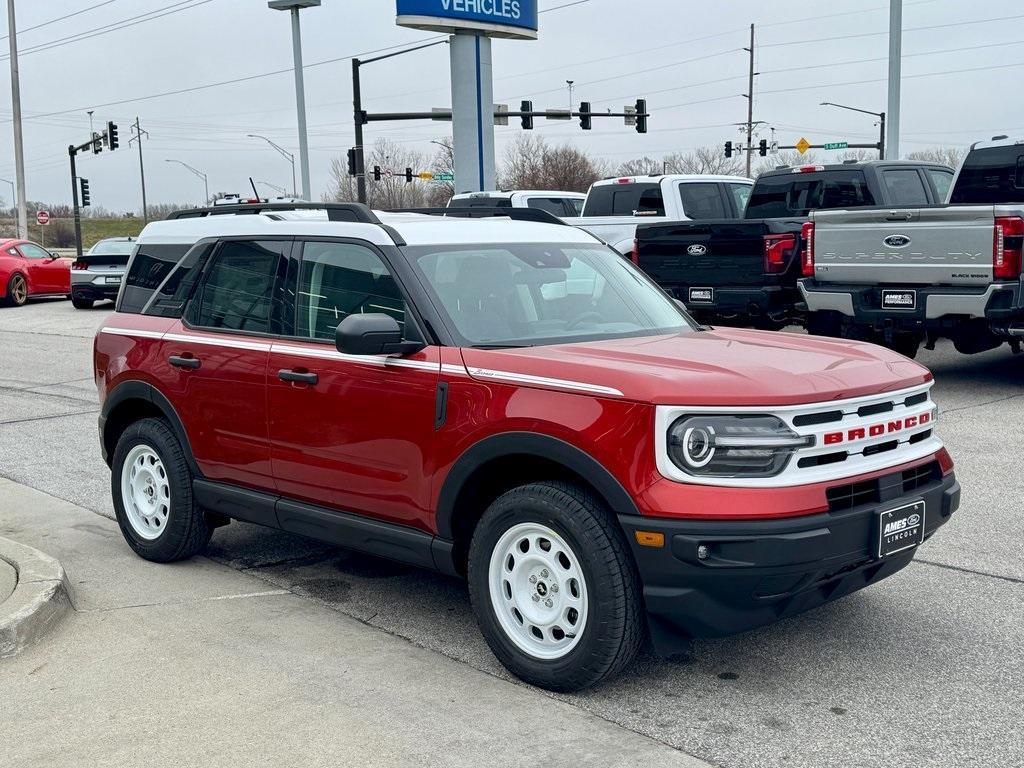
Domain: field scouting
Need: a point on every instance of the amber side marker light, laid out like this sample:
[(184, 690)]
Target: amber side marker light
[(650, 538)]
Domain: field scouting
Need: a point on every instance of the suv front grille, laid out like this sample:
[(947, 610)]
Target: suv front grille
[(843, 497)]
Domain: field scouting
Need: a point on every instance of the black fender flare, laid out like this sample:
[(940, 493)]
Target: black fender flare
[(535, 444), (140, 390)]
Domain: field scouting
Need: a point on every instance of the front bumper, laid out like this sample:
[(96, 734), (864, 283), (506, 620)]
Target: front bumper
[(760, 571), (937, 306)]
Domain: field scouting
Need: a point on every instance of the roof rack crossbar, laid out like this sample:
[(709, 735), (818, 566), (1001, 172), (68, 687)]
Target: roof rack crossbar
[(484, 212), (350, 212)]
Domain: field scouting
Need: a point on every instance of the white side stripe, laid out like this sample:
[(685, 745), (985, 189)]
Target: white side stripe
[(132, 332), (522, 378), (212, 341)]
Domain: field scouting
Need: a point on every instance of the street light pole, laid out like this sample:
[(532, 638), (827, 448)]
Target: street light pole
[(879, 115), (200, 174), (275, 187), (19, 148), (294, 6), (284, 153)]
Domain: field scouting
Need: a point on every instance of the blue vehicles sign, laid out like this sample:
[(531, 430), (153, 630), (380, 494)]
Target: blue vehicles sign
[(496, 18)]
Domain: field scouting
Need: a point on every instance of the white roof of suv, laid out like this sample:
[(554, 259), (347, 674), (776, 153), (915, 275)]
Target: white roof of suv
[(414, 228), (670, 177), (507, 194)]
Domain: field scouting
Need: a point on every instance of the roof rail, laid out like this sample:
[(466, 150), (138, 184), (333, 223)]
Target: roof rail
[(482, 212), (350, 212)]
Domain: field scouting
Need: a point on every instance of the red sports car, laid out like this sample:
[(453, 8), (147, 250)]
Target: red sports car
[(27, 269)]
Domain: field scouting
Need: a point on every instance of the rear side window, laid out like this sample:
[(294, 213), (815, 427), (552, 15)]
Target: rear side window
[(796, 194), (553, 205), (625, 200), (147, 270), (238, 288), (740, 195), (991, 176), (702, 201), (904, 186), (482, 202), (942, 181)]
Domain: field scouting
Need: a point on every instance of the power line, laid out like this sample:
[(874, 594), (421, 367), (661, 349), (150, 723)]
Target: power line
[(62, 18)]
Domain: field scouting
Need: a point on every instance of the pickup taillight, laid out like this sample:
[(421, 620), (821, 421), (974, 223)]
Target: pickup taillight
[(635, 253), (79, 265), (776, 248), (807, 256), (1007, 244)]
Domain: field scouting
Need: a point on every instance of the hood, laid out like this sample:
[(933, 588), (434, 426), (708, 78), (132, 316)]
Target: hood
[(724, 366)]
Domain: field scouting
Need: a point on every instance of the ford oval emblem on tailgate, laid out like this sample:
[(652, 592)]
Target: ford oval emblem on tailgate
[(897, 241), (697, 250)]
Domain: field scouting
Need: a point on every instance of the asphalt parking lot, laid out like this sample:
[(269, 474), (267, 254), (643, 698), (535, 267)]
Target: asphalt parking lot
[(926, 669)]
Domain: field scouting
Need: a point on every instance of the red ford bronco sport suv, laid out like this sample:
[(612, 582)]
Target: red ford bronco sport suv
[(510, 401)]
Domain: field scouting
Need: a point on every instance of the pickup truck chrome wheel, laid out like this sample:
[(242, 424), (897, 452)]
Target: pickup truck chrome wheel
[(538, 591), (146, 492)]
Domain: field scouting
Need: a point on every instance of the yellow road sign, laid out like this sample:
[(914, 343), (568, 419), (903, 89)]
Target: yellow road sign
[(802, 146), (426, 176)]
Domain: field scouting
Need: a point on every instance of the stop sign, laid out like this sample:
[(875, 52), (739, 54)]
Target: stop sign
[(42, 217)]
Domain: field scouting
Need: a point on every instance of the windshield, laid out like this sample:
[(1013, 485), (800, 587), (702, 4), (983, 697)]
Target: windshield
[(528, 294), (112, 248)]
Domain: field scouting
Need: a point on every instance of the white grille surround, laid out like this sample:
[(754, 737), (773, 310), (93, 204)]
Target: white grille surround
[(843, 417)]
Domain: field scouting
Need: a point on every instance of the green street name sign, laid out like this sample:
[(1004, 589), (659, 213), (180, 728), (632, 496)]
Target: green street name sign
[(444, 177), (837, 145)]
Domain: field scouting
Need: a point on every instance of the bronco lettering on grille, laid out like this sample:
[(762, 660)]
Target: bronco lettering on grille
[(877, 430)]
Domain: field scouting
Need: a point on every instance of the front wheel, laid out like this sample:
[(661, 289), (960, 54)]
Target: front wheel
[(554, 588), (151, 485), (80, 303)]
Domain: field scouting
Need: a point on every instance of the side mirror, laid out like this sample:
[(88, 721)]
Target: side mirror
[(54, 256), (373, 334)]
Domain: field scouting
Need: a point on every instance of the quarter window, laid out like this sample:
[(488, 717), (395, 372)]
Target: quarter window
[(341, 279), (242, 289), (942, 181), (905, 186)]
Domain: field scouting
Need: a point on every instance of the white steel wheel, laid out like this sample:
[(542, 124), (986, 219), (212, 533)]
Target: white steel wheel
[(538, 591), (146, 492)]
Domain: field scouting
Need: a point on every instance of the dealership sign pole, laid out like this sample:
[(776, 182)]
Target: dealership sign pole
[(472, 24)]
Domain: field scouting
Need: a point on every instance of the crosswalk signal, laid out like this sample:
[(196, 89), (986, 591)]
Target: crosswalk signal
[(352, 170), (641, 115), (84, 186), (526, 107), (376, 173), (113, 142), (586, 120), (728, 149), (762, 148), (408, 175)]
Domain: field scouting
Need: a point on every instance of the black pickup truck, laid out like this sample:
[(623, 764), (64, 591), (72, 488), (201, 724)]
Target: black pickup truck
[(745, 271)]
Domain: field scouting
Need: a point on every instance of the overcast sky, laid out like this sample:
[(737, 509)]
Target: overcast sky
[(685, 56)]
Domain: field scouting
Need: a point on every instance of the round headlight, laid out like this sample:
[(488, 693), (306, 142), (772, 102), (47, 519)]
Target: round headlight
[(698, 445)]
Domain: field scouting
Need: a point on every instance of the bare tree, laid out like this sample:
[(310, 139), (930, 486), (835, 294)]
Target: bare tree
[(951, 156), (704, 160), (441, 192), (641, 166), (392, 191), (787, 158), (531, 163), (859, 155)]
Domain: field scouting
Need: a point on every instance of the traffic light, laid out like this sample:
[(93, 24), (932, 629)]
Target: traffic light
[(84, 184), (527, 108), (376, 173), (641, 115), (586, 121), (408, 175), (762, 148), (352, 169), (97, 143), (728, 149), (112, 140)]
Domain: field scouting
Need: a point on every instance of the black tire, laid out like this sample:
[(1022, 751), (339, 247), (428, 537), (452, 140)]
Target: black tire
[(186, 531), (79, 303), (614, 627), (16, 297), (907, 344)]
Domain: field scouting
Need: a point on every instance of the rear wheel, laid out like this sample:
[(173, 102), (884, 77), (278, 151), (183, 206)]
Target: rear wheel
[(17, 290), (554, 588), (151, 485), (80, 303)]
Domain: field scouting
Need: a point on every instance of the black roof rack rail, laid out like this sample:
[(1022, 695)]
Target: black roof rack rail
[(484, 212), (350, 212)]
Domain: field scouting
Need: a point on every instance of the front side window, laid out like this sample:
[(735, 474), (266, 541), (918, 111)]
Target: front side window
[(340, 279), (702, 201), (30, 251), (527, 294), (238, 293)]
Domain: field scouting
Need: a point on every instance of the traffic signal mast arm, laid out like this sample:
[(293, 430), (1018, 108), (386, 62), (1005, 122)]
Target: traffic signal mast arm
[(526, 113)]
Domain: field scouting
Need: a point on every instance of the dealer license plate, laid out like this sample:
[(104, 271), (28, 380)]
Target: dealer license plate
[(113, 281), (900, 528), (702, 295), (899, 299)]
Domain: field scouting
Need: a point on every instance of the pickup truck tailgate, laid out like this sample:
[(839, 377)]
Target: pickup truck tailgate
[(703, 253), (926, 246)]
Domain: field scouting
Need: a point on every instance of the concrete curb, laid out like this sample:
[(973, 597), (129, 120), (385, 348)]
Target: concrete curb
[(40, 598)]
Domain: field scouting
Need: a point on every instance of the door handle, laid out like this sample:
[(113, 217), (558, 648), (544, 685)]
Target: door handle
[(298, 377), (184, 362)]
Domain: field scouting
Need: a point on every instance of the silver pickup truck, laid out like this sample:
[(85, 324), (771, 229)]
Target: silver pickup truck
[(900, 276)]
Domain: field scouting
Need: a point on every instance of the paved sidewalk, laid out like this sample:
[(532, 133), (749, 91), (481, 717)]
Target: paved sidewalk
[(199, 664)]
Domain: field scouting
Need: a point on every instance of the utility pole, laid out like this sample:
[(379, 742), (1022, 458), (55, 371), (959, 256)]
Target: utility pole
[(357, 108), (19, 148), (750, 100), (892, 138), (137, 136)]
